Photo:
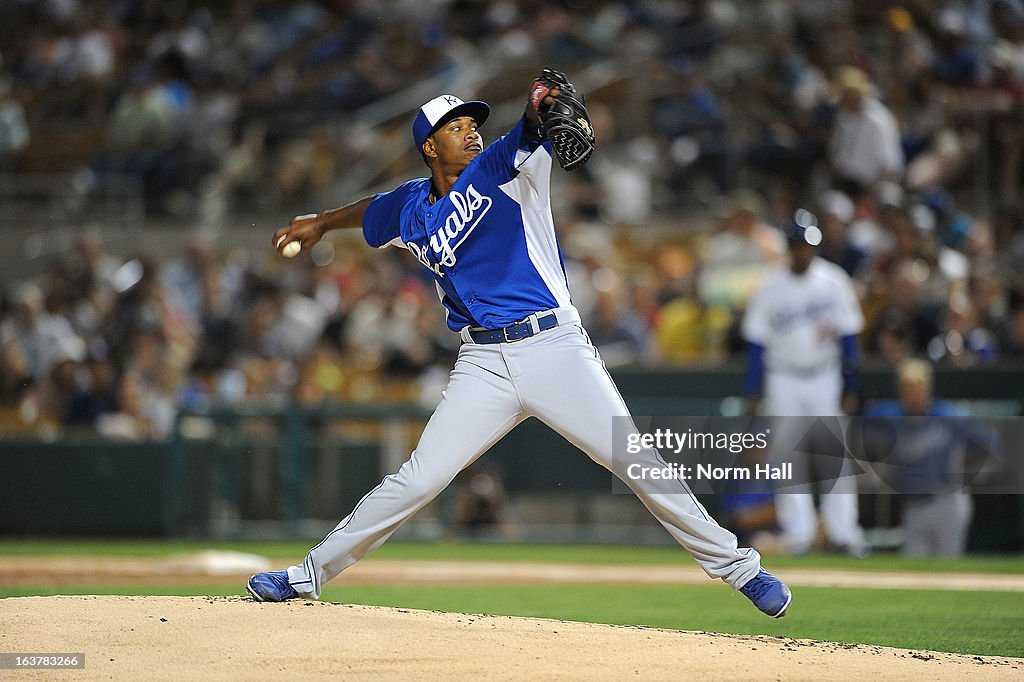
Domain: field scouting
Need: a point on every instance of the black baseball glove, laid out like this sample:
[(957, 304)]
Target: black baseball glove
[(565, 120)]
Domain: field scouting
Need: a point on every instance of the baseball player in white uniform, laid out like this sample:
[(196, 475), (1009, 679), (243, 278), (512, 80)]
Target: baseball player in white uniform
[(482, 224), (801, 326)]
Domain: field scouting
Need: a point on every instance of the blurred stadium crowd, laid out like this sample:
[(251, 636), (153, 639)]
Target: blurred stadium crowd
[(900, 124)]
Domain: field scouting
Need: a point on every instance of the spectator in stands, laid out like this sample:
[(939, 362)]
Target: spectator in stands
[(129, 421), (865, 146), (1008, 127), (321, 377), (146, 131), (872, 226), (617, 331), (16, 378), (836, 246), (909, 280), (685, 328), (14, 129), (56, 392), (963, 341), (140, 308), (615, 187), (787, 98), (891, 336), (92, 270), (738, 254), (44, 337), (956, 61), (92, 396), (689, 119)]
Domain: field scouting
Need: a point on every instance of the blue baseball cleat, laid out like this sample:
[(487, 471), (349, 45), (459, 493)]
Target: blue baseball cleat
[(769, 594), (273, 586)]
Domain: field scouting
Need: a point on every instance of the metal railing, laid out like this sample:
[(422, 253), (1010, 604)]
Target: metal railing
[(283, 465)]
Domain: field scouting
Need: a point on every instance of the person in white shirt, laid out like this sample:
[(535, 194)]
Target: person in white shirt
[(865, 145), (801, 328)]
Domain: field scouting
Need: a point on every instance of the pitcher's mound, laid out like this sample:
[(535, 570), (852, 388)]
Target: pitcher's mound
[(235, 638)]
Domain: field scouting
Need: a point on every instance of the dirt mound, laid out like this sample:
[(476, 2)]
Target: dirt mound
[(234, 638)]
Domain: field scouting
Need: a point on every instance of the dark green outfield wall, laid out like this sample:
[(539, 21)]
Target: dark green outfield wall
[(84, 487), (289, 464)]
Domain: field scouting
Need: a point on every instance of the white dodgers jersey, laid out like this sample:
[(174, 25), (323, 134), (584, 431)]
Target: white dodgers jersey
[(799, 319)]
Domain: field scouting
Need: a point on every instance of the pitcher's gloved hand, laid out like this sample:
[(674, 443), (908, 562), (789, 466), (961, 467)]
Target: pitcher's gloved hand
[(564, 119)]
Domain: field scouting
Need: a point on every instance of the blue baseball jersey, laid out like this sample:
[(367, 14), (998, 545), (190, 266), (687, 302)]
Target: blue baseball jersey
[(929, 453), (490, 242)]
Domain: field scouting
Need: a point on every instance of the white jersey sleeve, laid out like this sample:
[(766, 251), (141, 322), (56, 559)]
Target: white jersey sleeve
[(756, 327), (850, 318)]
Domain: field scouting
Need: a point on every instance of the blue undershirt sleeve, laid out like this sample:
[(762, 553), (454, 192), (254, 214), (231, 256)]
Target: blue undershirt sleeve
[(851, 362), (755, 369)]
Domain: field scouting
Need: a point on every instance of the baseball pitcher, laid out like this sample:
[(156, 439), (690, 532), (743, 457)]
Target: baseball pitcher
[(482, 224)]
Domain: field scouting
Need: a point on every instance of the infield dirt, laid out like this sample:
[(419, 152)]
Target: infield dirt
[(234, 638)]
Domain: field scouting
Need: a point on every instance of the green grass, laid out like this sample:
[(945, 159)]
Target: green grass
[(987, 623), (292, 551)]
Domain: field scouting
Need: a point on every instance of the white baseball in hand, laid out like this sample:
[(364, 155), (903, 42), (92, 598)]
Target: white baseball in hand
[(290, 250)]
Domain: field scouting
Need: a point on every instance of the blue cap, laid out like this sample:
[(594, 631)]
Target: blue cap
[(804, 228), (440, 110)]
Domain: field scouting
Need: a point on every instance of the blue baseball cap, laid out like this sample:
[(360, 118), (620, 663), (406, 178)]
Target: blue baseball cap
[(440, 110)]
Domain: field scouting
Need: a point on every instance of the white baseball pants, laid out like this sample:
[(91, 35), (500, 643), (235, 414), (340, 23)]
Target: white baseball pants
[(816, 394), (558, 377)]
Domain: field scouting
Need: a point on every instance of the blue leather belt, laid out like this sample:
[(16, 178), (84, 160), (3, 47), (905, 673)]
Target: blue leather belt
[(514, 332)]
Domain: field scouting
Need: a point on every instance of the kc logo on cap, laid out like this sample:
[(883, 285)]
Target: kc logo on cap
[(442, 109)]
